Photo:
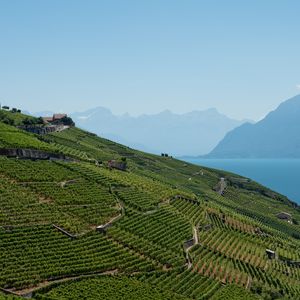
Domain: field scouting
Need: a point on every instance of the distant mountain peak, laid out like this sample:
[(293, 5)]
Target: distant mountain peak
[(178, 134), (275, 136)]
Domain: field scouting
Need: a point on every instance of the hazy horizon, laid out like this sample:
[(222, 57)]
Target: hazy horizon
[(120, 114), (127, 113)]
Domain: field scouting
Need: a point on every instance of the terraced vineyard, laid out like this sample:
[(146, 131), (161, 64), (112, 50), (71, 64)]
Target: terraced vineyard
[(72, 227), (117, 287)]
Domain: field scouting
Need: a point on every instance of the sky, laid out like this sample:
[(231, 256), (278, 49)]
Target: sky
[(139, 56)]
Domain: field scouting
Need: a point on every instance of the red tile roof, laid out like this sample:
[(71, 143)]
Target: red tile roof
[(58, 116)]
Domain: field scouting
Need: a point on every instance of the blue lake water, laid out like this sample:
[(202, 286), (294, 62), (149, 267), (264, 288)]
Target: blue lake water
[(281, 175)]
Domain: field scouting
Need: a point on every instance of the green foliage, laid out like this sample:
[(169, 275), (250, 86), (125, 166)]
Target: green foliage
[(9, 297), (12, 137), (233, 292), (14, 117), (186, 283), (32, 121), (65, 121), (149, 212), (30, 255), (107, 288), (47, 192)]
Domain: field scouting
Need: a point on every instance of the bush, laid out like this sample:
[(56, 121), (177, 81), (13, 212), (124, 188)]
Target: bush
[(8, 121), (65, 121)]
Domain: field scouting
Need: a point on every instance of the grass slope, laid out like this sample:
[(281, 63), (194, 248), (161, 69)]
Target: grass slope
[(50, 210)]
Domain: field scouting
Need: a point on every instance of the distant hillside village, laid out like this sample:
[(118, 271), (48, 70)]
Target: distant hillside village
[(41, 125)]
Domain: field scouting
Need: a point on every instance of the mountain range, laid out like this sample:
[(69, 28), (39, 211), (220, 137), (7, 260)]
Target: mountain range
[(275, 136), (193, 133)]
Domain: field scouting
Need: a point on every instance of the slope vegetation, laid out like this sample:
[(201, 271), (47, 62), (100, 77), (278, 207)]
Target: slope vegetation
[(73, 225)]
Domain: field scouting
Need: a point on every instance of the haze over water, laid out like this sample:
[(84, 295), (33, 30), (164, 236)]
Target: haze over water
[(281, 175)]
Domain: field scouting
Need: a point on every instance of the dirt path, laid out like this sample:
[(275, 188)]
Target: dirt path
[(195, 235), (195, 242), (27, 292), (108, 224), (248, 284)]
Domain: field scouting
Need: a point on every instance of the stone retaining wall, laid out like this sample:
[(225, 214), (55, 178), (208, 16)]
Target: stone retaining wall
[(31, 154)]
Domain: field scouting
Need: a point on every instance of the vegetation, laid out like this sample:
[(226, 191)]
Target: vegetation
[(233, 292), (9, 297), (65, 121), (34, 254), (158, 230), (108, 287), (14, 117)]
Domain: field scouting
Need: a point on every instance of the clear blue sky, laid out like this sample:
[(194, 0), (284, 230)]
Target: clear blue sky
[(144, 56)]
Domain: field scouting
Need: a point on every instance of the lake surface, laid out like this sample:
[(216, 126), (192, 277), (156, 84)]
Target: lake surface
[(281, 175)]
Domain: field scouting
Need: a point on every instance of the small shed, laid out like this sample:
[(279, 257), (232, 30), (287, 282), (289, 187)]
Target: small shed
[(101, 228), (120, 165), (189, 243), (284, 216), (271, 254)]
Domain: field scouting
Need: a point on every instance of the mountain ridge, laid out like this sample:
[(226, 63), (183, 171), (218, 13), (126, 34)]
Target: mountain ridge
[(275, 136), (165, 132)]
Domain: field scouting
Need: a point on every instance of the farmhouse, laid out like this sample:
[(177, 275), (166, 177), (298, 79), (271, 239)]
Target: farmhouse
[(56, 123), (55, 117), (59, 116)]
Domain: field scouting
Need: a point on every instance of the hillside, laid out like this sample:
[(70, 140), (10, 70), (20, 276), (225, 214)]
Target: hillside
[(276, 136), (78, 225), (193, 133)]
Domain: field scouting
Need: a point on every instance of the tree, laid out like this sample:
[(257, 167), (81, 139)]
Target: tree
[(8, 121), (67, 121), (40, 120), (28, 121)]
